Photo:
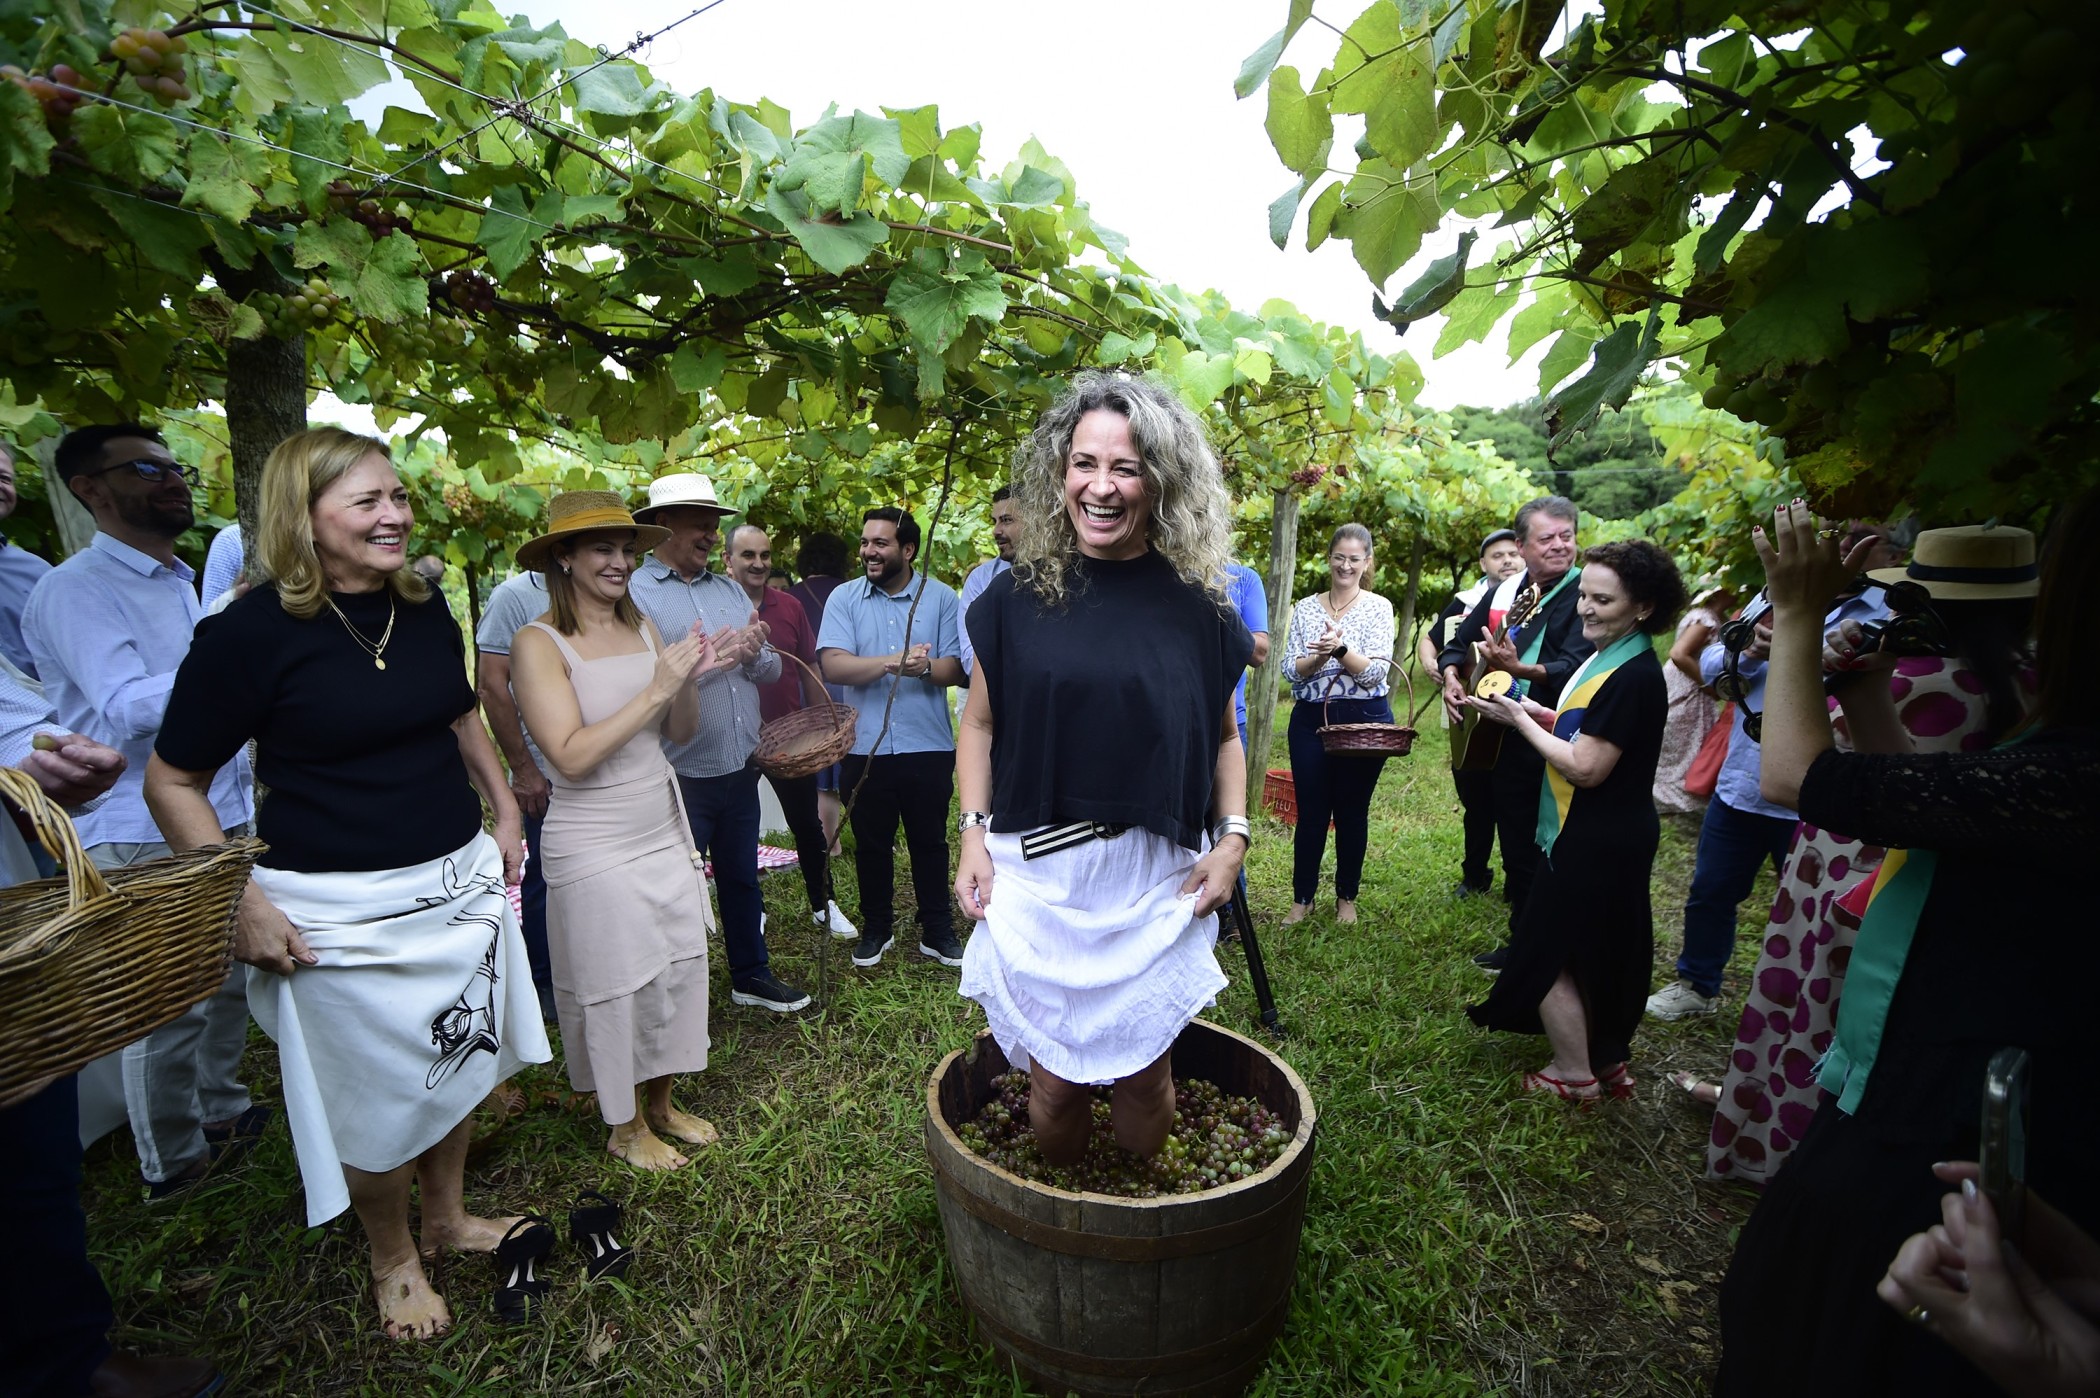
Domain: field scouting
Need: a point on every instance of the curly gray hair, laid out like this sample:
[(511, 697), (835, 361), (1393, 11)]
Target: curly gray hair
[(1191, 524)]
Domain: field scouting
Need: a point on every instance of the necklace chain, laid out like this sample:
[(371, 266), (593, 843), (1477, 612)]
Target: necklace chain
[(376, 652)]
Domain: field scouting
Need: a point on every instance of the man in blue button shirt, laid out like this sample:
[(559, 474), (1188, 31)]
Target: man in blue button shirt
[(20, 571), (108, 628), (872, 642)]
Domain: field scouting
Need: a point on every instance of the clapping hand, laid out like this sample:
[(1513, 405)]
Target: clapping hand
[(916, 661)]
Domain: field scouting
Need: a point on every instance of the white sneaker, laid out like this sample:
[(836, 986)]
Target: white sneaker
[(842, 929), (1680, 1001)]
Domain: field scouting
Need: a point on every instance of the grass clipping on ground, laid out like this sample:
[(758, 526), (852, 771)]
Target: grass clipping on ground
[(1460, 1237)]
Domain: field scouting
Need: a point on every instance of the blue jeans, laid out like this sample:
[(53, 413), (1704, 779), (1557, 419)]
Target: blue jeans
[(58, 1315), (532, 900), (1732, 844), (723, 812)]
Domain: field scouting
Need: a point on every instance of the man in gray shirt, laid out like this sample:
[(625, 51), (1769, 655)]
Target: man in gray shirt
[(511, 605), (675, 589)]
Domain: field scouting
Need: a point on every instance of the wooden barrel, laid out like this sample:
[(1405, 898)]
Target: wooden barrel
[(1095, 1294)]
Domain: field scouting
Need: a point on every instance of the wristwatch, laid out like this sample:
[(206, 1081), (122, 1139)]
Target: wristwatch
[(1341, 650), (969, 819), (1232, 825)]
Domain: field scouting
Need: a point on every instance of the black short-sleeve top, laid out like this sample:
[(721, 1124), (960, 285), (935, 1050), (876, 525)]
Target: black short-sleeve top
[(1628, 711), (361, 766), (1111, 707)]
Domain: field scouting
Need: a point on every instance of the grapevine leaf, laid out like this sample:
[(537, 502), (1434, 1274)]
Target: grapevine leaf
[(167, 237), (836, 245), (1299, 126), (223, 174), (322, 71), (133, 148), (1283, 212), (314, 132), (1255, 70), (615, 90), (336, 243), (1392, 86), (1431, 291), (390, 286), (504, 233), (833, 159), (1320, 220), (936, 298), (1614, 369), (23, 135), (1383, 218)]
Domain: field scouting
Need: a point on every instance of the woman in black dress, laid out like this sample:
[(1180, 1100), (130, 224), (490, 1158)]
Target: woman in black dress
[(1980, 939), (1579, 959)]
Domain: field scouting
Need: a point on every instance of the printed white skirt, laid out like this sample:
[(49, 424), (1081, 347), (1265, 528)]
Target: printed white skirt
[(420, 1004), (1091, 960)]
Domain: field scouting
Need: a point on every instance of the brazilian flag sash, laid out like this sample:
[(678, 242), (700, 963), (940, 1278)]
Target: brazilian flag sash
[(1886, 927), (1557, 793)]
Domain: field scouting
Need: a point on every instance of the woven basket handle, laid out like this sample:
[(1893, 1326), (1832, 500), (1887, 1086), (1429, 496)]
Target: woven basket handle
[(55, 832), (832, 708)]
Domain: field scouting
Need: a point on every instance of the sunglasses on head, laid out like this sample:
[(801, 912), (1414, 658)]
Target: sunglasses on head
[(148, 469)]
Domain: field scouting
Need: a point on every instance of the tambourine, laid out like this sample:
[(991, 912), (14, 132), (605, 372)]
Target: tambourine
[(1494, 684)]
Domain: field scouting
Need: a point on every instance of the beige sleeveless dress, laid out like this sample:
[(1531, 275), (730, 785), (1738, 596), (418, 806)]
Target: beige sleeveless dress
[(627, 903)]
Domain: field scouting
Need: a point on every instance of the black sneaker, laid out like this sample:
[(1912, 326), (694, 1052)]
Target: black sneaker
[(1492, 962), (872, 946), (1470, 890), (944, 947), (762, 990)]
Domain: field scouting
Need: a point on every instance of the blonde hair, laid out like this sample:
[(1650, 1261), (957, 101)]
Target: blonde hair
[(302, 467), (1191, 520), (561, 588)]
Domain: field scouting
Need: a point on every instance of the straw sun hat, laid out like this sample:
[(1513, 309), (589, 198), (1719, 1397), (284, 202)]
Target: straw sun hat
[(585, 512), (1973, 562)]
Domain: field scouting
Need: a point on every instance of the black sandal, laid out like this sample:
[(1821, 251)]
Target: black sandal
[(520, 1290), (593, 1229)]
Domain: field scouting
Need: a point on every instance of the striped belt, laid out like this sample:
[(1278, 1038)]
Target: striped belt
[(1057, 837)]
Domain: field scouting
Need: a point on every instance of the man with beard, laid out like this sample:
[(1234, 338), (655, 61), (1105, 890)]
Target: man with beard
[(790, 633), (676, 589), (1526, 627), (1006, 534), (108, 628), (896, 632)]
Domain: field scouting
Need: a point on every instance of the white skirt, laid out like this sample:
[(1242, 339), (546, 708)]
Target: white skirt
[(1091, 960), (420, 1005)]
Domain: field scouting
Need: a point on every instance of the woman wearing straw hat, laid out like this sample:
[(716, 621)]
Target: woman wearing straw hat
[(386, 961), (1963, 696), (627, 905)]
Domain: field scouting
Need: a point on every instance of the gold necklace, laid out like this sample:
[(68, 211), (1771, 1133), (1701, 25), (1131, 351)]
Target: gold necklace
[(1338, 612), (376, 652)]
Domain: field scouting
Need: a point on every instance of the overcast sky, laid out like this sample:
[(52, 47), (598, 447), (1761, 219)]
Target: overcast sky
[(1135, 96)]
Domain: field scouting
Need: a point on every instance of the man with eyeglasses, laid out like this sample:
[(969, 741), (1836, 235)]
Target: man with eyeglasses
[(20, 572), (1526, 627), (108, 628)]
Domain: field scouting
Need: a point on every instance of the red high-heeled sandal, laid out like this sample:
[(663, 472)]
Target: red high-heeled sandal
[(1566, 1090)]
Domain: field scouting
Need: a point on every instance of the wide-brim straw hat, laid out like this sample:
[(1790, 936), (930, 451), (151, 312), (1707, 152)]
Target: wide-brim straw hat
[(687, 490), (586, 512), (1972, 562)]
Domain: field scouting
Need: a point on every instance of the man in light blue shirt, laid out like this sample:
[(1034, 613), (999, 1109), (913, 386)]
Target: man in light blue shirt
[(223, 563), (1006, 536), (1741, 829), (20, 571), (676, 588), (108, 628), (1250, 599), (872, 642), (510, 606)]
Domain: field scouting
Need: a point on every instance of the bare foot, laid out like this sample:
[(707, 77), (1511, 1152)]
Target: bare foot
[(684, 1126), (466, 1233), (1345, 910), (1298, 913), (642, 1148), (408, 1308)]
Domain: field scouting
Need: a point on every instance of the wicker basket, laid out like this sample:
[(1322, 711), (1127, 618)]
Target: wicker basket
[(805, 742), (1368, 739), (92, 962)]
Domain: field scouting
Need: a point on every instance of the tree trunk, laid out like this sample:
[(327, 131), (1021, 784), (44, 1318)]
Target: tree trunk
[(473, 580), (1262, 686), (265, 403), (1406, 628)]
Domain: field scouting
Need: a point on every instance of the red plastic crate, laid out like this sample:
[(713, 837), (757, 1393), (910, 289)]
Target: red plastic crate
[(1279, 795)]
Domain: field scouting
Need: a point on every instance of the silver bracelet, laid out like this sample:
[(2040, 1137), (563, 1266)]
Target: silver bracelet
[(1232, 825)]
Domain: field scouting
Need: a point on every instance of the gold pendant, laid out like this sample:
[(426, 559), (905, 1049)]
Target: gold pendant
[(377, 663)]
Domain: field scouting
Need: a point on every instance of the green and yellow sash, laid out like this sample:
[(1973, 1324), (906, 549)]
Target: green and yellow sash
[(1557, 793), (1879, 953)]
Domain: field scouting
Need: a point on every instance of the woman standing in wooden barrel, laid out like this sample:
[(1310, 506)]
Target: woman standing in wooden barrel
[(1097, 749)]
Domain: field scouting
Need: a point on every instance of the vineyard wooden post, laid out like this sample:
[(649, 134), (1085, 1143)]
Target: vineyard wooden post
[(1404, 629), (1262, 685)]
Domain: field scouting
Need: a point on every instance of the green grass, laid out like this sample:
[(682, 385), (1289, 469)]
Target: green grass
[(1460, 1238)]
